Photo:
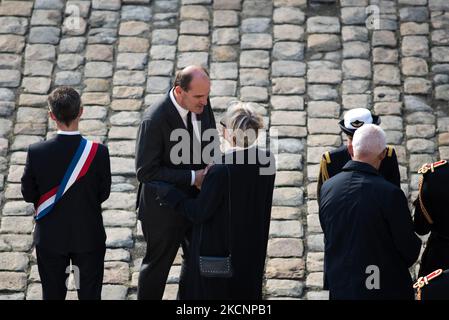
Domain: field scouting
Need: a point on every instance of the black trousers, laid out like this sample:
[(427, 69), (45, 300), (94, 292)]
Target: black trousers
[(163, 238), (54, 271)]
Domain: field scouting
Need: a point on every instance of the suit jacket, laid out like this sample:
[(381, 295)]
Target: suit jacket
[(153, 152), (75, 223), (248, 194), (366, 222), (332, 163), (435, 199)]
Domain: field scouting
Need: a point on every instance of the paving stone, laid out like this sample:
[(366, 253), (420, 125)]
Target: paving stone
[(254, 77), (36, 85), (323, 24), (287, 197), (413, 28), (356, 49), (225, 18), (386, 94), (383, 38), (421, 131), (354, 33), (227, 70), (352, 101), (194, 13), (285, 268), (125, 119), (9, 78), (385, 74), (285, 247), (288, 179), (93, 127), (356, 68), (288, 68), (256, 41), (46, 35), (323, 42), (288, 32), (193, 43), (69, 61), (131, 61), (16, 225), (440, 54), (192, 58), (13, 25), (223, 88), (194, 27), (129, 77), (315, 242), (287, 102), (95, 85), (163, 52), (72, 45), (106, 4), (114, 292), (160, 68), (289, 15), (127, 92), (442, 92), (256, 8), (122, 166), (255, 25), (384, 55), (133, 28), (438, 5), (280, 229), (388, 108), (16, 8), (13, 261), (224, 53), (323, 109), (32, 100), (12, 43), (35, 115), (13, 281), (158, 84), (322, 92), (417, 86), (355, 86), (257, 58), (414, 66), (324, 76), (288, 85), (102, 35), (415, 14), (415, 46), (420, 146), (68, 78)]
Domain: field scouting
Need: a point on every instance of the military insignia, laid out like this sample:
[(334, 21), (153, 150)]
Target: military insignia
[(431, 166), (357, 123), (422, 281), (390, 151)]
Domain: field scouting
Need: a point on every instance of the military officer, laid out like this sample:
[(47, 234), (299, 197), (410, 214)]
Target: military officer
[(431, 215), (332, 162)]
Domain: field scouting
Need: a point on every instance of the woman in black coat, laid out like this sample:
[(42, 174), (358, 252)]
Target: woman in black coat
[(231, 215)]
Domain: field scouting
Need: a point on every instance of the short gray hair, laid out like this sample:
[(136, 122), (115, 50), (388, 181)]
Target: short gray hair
[(369, 140), (243, 123)]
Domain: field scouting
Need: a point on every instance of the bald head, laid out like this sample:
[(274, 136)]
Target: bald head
[(191, 88), (186, 76), (369, 145)]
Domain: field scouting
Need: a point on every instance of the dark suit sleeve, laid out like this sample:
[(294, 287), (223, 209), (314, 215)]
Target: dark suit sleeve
[(105, 175), (149, 153), (29, 187), (401, 226), (211, 197), (422, 227), (392, 170)]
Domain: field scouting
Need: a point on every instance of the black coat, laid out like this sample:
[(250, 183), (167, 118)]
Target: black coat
[(250, 196), (435, 198), (437, 288), (153, 150), (332, 163), (366, 221), (75, 223)]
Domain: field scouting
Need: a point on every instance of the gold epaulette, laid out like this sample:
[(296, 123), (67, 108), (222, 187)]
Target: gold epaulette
[(422, 281), (325, 160), (390, 151), (431, 166)]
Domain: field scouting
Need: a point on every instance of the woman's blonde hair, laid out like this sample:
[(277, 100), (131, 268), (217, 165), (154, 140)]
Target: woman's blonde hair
[(243, 123)]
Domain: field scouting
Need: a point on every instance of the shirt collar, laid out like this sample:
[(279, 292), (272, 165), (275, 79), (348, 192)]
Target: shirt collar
[(68, 133), (182, 112)]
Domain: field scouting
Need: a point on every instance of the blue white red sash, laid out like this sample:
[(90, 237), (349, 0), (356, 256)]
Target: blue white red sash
[(78, 168)]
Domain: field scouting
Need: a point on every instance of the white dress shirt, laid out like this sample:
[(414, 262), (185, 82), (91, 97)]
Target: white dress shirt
[(183, 113), (68, 133)]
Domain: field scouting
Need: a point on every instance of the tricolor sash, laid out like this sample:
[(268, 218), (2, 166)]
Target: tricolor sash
[(78, 168)]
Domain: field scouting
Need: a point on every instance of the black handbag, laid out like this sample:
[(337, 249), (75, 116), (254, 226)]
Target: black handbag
[(218, 267)]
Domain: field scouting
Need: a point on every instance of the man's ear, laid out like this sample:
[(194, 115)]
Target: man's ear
[(351, 150), (81, 112), (52, 116)]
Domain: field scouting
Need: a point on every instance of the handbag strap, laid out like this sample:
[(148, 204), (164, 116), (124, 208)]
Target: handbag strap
[(229, 214)]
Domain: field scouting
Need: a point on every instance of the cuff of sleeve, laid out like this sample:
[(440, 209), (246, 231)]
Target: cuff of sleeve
[(192, 181)]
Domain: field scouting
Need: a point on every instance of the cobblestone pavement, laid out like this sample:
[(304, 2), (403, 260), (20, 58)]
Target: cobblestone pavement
[(303, 62)]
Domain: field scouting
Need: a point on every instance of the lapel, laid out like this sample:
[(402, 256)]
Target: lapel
[(173, 116)]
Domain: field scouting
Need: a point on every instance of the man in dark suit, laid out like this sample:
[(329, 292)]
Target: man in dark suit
[(185, 108), (332, 162), (71, 227), (368, 229)]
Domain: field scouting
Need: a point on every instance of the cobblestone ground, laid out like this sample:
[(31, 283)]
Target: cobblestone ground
[(304, 62)]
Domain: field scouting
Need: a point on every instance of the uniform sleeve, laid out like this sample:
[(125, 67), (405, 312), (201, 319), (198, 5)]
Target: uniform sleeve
[(105, 176), (401, 226), (29, 187), (421, 225), (149, 153), (390, 169)]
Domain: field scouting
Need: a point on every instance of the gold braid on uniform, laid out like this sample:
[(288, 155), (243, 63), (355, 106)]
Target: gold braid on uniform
[(421, 203), (390, 151), (423, 281), (323, 166)]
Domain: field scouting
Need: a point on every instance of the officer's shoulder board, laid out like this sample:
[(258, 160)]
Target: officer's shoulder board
[(325, 160), (390, 151), (426, 167), (422, 281)]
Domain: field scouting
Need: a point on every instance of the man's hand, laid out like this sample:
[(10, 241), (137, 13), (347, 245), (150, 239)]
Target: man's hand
[(199, 177)]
